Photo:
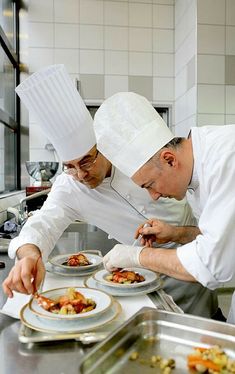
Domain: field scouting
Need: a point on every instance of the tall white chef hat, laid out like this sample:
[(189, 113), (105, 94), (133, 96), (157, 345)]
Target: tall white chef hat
[(129, 131), (59, 110)]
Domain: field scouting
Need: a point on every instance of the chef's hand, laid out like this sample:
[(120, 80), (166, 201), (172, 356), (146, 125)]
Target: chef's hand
[(156, 231), (122, 256), (27, 274)]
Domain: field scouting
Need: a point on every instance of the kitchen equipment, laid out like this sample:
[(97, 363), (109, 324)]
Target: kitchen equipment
[(42, 172), (151, 332)]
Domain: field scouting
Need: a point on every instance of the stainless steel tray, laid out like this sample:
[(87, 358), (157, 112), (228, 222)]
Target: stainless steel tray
[(154, 332)]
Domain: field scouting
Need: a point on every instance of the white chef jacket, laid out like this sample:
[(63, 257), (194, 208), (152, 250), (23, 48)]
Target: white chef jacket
[(117, 206), (211, 257)]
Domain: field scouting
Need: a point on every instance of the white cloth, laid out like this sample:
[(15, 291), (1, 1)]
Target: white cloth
[(59, 110), (211, 257), (129, 305), (122, 256), (124, 124), (117, 207)]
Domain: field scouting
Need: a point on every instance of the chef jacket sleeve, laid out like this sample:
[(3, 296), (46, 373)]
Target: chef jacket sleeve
[(45, 227), (210, 258)]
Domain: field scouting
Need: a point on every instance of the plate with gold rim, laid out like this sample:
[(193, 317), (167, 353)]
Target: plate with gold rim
[(102, 300), (37, 323)]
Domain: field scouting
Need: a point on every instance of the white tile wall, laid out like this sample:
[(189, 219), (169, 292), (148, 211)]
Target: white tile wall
[(39, 58), (70, 59), (163, 64), (230, 12), (115, 43), (230, 99), (163, 16), (116, 62), (211, 99), (230, 119), (140, 63), (114, 84), (66, 11), (163, 89), (66, 35), (211, 39), (91, 62), (230, 37), (91, 12), (211, 12), (163, 41), (211, 69), (41, 11), (140, 39), (36, 137), (116, 38), (210, 119), (140, 15), (181, 83), (41, 34), (116, 13), (91, 37)]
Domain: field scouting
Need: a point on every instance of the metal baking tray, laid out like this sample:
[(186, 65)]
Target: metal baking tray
[(29, 336), (153, 332)]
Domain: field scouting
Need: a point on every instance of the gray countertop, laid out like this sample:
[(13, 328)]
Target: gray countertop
[(43, 358)]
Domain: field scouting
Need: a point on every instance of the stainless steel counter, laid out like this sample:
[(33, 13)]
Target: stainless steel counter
[(46, 358)]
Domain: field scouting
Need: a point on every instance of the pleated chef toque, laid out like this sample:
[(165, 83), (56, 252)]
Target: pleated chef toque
[(59, 110), (129, 131)]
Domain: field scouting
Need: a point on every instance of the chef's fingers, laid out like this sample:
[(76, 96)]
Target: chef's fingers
[(6, 286), (22, 278), (40, 274), (139, 229)]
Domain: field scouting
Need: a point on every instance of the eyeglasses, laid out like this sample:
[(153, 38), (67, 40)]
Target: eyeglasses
[(84, 166)]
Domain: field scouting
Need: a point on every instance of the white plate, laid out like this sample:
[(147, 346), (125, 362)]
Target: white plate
[(103, 302), (150, 276), (56, 270), (57, 261), (40, 324), (91, 282)]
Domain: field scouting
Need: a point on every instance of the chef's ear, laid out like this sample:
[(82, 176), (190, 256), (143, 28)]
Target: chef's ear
[(168, 157)]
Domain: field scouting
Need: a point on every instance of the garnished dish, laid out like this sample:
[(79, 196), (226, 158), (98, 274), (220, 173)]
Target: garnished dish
[(210, 360), (125, 277), (77, 260), (73, 302)]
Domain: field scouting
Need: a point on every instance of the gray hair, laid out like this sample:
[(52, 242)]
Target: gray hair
[(174, 143)]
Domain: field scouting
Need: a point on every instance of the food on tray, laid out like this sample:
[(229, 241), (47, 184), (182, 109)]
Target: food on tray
[(77, 260), (211, 360), (155, 361), (71, 303), (125, 277)]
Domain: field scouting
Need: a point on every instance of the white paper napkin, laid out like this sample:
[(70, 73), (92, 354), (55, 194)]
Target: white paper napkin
[(130, 305)]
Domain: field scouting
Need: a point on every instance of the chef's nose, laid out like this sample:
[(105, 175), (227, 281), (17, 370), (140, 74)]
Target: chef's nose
[(155, 195), (81, 173)]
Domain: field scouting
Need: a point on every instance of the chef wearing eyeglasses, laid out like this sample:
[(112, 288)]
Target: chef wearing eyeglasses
[(89, 190)]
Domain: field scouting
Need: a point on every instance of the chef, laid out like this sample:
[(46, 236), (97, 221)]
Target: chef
[(204, 164), (89, 190)]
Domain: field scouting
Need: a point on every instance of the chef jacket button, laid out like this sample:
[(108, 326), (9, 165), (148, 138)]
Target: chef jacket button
[(128, 196), (143, 211)]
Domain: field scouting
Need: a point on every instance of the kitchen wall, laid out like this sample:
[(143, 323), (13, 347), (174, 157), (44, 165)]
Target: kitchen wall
[(216, 62), (185, 66), (110, 46)]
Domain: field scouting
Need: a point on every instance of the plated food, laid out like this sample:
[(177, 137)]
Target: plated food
[(74, 263), (73, 302), (70, 303), (126, 278), (78, 259), (123, 276), (211, 360)]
